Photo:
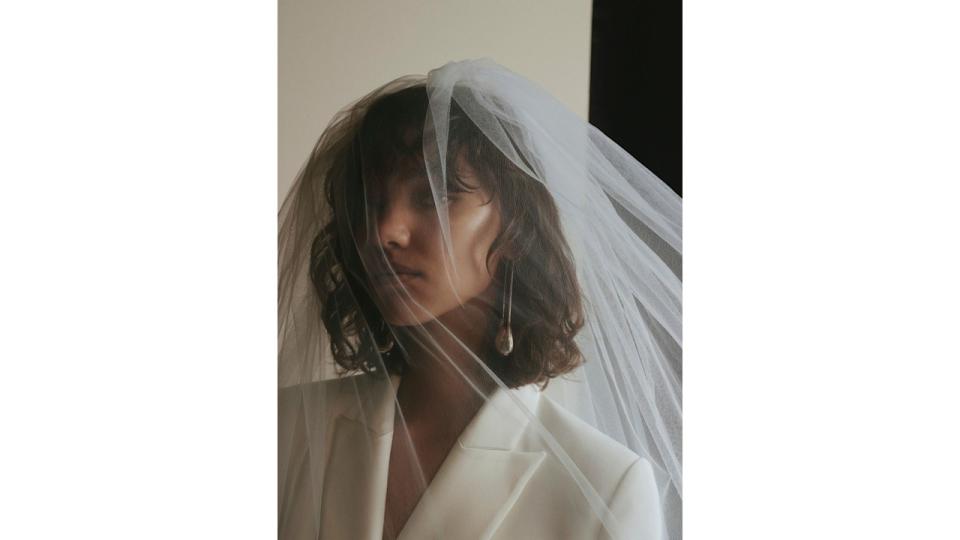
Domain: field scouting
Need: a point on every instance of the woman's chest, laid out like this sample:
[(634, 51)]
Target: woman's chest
[(414, 461)]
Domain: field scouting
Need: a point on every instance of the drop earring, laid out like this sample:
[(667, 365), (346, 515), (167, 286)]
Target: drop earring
[(504, 339)]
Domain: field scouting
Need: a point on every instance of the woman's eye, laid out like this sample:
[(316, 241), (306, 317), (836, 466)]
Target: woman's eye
[(427, 200)]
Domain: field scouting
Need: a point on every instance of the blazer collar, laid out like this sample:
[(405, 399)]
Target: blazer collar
[(483, 475), (501, 421), (476, 486), (355, 473), (369, 400)]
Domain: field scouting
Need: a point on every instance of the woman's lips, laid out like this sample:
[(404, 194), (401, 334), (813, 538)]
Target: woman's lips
[(400, 269), (399, 277), (392, 275)]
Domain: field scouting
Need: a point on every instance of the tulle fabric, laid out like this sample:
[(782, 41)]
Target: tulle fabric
[(623, 229)]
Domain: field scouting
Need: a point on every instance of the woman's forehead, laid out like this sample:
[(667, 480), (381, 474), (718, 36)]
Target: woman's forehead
[(412, 168)]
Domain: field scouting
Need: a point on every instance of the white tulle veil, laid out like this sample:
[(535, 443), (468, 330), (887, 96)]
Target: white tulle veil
[(622, 227)]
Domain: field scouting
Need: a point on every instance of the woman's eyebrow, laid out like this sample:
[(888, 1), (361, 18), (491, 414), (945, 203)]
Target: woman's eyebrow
[(410, 172)]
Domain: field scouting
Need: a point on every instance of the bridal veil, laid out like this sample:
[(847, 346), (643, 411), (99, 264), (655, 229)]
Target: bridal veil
[(621, 231)]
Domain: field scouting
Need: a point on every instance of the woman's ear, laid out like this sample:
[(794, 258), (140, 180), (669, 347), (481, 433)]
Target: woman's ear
[(504, 255), (508, 252)]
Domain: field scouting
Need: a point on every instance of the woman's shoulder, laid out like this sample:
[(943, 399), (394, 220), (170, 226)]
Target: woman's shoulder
[(334, 386), (583, 442), (624, 479), (331, 395)]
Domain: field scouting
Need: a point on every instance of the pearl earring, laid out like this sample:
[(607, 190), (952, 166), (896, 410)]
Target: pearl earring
[(504, 339)]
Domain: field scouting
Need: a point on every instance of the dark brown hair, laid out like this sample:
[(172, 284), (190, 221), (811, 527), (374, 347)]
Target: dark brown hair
[(384, 132)]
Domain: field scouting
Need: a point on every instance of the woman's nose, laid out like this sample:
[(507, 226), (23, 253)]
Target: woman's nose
[(394, 224)]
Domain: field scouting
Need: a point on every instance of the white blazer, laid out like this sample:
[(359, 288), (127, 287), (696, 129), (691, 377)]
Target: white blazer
[(500, 482)]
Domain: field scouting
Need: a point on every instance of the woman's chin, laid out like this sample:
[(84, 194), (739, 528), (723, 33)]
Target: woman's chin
[(405, 315)]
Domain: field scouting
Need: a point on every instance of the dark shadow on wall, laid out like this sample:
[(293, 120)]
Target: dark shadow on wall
[(636, 81)]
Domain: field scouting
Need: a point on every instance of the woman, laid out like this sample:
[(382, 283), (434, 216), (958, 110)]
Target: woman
[(456, 246)]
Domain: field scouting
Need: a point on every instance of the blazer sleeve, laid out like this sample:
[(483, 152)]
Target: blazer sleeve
[(636, 503)]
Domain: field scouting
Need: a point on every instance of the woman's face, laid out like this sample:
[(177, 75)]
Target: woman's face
[(413, 280)]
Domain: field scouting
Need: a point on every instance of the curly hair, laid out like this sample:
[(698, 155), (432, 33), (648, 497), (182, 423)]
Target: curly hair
[(378, 134)]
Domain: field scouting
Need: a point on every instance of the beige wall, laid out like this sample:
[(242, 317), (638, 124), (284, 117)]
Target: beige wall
[(332, 52)]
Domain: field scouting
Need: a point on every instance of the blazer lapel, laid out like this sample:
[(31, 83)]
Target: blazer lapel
[(355, 479), (483, 476)]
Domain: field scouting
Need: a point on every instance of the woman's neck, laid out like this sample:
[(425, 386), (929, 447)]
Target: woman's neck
[(444, 372)]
